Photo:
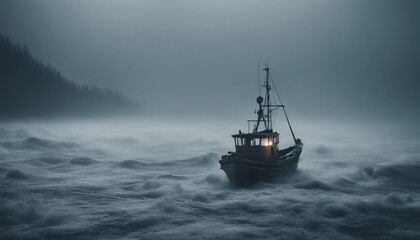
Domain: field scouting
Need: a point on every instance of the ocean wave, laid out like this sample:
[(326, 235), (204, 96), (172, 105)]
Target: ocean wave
[(399, 233), (215, 179), (33, 143), (153, 194), (151, 184), (346, 183), (408, 171), (14, 134), (143, 222), (132, 164), (171, 177), (315, 184), (332, 209), (201, 197), (15, 212), (248, 206), (16, 174), (167, 205), (50, 160), (119, 140), (158, 189), (208, 159), (401, 175), (82, 161), (377, 218)]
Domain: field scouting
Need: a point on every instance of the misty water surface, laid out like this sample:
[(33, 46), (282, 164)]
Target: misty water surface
[(128, 180)]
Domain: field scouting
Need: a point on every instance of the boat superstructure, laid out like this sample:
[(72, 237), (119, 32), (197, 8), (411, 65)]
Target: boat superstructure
[(257, 156)]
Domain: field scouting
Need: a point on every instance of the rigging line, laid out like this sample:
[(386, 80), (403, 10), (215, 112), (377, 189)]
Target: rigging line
[(275, 99), (275, 111), (294, 138), (275, 118), (284, 110), (275, 89)]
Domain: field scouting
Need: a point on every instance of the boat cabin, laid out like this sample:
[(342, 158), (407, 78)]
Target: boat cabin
[(260, 146)]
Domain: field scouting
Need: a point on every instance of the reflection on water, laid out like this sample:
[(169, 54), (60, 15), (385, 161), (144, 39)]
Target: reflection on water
[(128, 180)]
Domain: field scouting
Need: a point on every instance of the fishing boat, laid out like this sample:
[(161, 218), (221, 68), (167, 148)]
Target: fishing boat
[(257, 157)]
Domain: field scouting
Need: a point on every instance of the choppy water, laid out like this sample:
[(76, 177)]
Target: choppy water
[(129, 181)]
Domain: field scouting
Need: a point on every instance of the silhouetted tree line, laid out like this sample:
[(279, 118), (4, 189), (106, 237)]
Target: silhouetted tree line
[(29, 88)]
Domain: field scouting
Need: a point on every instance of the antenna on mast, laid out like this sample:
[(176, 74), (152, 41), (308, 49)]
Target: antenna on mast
[(259, 78), (267, 96)]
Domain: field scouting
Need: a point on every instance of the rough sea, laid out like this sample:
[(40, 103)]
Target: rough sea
[(145, 179)]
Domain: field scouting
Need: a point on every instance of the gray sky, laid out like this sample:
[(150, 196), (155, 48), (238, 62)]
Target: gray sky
[(334, 58)]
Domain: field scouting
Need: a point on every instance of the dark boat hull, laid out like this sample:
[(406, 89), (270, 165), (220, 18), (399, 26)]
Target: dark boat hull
[(245, 172)]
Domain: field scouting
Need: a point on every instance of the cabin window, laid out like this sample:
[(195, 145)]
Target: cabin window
[(240, 141), (264, 141), (267, 141), (255, 142)]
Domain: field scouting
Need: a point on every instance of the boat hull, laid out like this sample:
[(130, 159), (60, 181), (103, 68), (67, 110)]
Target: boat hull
[(245, 172)]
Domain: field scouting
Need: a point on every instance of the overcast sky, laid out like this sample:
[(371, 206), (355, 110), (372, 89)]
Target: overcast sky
[(344, 58)]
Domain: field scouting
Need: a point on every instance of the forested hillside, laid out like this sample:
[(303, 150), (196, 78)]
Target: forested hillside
[(30, 88)]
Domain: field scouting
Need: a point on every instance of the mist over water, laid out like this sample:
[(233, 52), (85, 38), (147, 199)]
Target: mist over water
[(148, 179), (194, 69)]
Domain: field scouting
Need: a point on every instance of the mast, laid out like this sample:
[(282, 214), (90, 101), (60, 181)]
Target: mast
[(267, 97), (267, 104), (264, 103)]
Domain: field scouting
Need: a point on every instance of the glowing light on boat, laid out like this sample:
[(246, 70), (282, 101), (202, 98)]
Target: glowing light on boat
[(264, 142)]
